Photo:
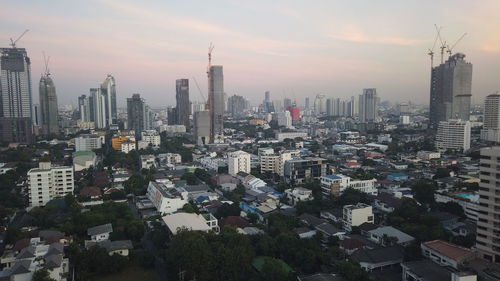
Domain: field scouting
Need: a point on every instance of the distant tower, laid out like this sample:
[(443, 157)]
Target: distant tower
[(368, 106), (137, 114), (491, 120), (108, 90), (182, 102), (450, 92), (48, 105)]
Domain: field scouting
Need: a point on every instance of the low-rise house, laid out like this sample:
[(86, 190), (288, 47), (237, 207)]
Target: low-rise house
[(446, 254), (386, 202), (310, 220), (147, 161), (100, 233), (355, 215), (426, 270), (372, 259), (166, 197), (329, 230), (83, 160), (119, 247), (397, 177), (178, 221), (334, 215), (305, 232), (298, 194), (388, 235), (337, 184), (350, 245), (93, 192), (321, 277)]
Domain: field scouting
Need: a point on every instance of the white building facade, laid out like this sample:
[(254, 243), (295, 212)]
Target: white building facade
[(46, 183), (238, 161)]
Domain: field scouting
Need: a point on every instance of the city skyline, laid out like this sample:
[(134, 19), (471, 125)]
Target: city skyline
[(310, 49)]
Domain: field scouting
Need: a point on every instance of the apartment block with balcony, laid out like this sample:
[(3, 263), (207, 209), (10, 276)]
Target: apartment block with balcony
[(48, 182)]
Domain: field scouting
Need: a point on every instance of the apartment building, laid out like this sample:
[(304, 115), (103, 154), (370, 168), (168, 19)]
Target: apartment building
[(88, 142), (356, 215), (48, 182), (337, 184), (166, 198), (275, 162), (453, 134), (238, 161)]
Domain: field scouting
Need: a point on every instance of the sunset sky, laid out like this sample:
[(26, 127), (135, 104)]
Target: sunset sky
[(291, 48)]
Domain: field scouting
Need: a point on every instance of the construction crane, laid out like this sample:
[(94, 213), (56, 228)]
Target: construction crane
[(13, 42), (443, 43), (199, 90), (46, 61), (431, 51), (210, 49), (450, 49)]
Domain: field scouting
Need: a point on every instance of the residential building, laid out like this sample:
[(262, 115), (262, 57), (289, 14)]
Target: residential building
[(100, 233), (83, 160), (48, 106), (488, 224), (173, 129), (238, 161), (88, 142), (167, 198), (237, 105), (108, 90), (378, 258), (127, 146), (170, 158), (425, 270), (491, 120), (428, 155), (450, 95), (291, 135), (147, 161), (337, 184), (216, 103), (117, 140), (447, 254), (193, 222), (384, 236), (298, 194), (85, 108), (182, 102), (149, 138), (48, 182), (202, 127), (275, 162), (320, 104), (454, 135), (355, 215), (301, 170), (284, 119), (368, 106)]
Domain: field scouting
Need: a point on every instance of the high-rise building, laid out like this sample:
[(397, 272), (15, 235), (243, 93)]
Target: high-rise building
[(136, 114), (15, 96), (238, 161), (284, 118), (85, 108), (320, 104), (368, 106), (202, 127), (287, 103), (267, 97), (295, 113), (236, 105), (453, 134), (15, 83), (488, 223), (216, 103), (352, 107), (491, 120), (182, 102), (98, 107), (306, 106), (450, 90), (47, 182), (36, 115), (197, 106), (48, 105), (108, 90)]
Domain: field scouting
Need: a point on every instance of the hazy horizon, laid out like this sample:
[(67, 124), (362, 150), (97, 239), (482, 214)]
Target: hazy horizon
[(291, 48)]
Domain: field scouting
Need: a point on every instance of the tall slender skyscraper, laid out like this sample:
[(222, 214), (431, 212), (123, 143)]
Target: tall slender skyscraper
[(182, 100), (136, 114), (216, 103), (108, 91), (368, 106), (15, 83), (491, 120), (450, 90), (85, 108), (48, 105)]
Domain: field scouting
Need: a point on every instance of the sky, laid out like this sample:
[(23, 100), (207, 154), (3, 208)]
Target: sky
[(294, 49)]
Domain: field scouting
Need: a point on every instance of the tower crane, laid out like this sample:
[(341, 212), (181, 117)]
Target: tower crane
[(199, 90), (210, 49), (13, 42), (443, 43), (450, 49), (431, 51)]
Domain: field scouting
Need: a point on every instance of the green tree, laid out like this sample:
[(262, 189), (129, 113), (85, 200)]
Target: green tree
[(273, 270), (424, 192), (42, 275), (351, 271), (226, 210), (190, 178)]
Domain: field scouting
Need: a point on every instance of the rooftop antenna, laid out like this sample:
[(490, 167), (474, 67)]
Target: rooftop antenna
[(431, 51), (46, 61), (13, 42), (450, 49)]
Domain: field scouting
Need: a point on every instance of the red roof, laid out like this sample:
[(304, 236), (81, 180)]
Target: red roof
[(448, 249), (91, 191), (351, 243), (234, 221)]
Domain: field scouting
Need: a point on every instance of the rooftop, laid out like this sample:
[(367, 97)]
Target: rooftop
[(448, 249), (178, 221), (100, 229)]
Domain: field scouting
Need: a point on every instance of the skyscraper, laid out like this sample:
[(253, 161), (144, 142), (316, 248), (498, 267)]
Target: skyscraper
[(216, 103), (320, 104), (108, 91), (236, 105), (307, 103), (48, 105), (287, 103), (182, 102), (136, 114), (488, 223), (491, 120), (15, 83), (85, 108), (368, 106), (99, 108), (202, 127), (450, 90), (15, 96)]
